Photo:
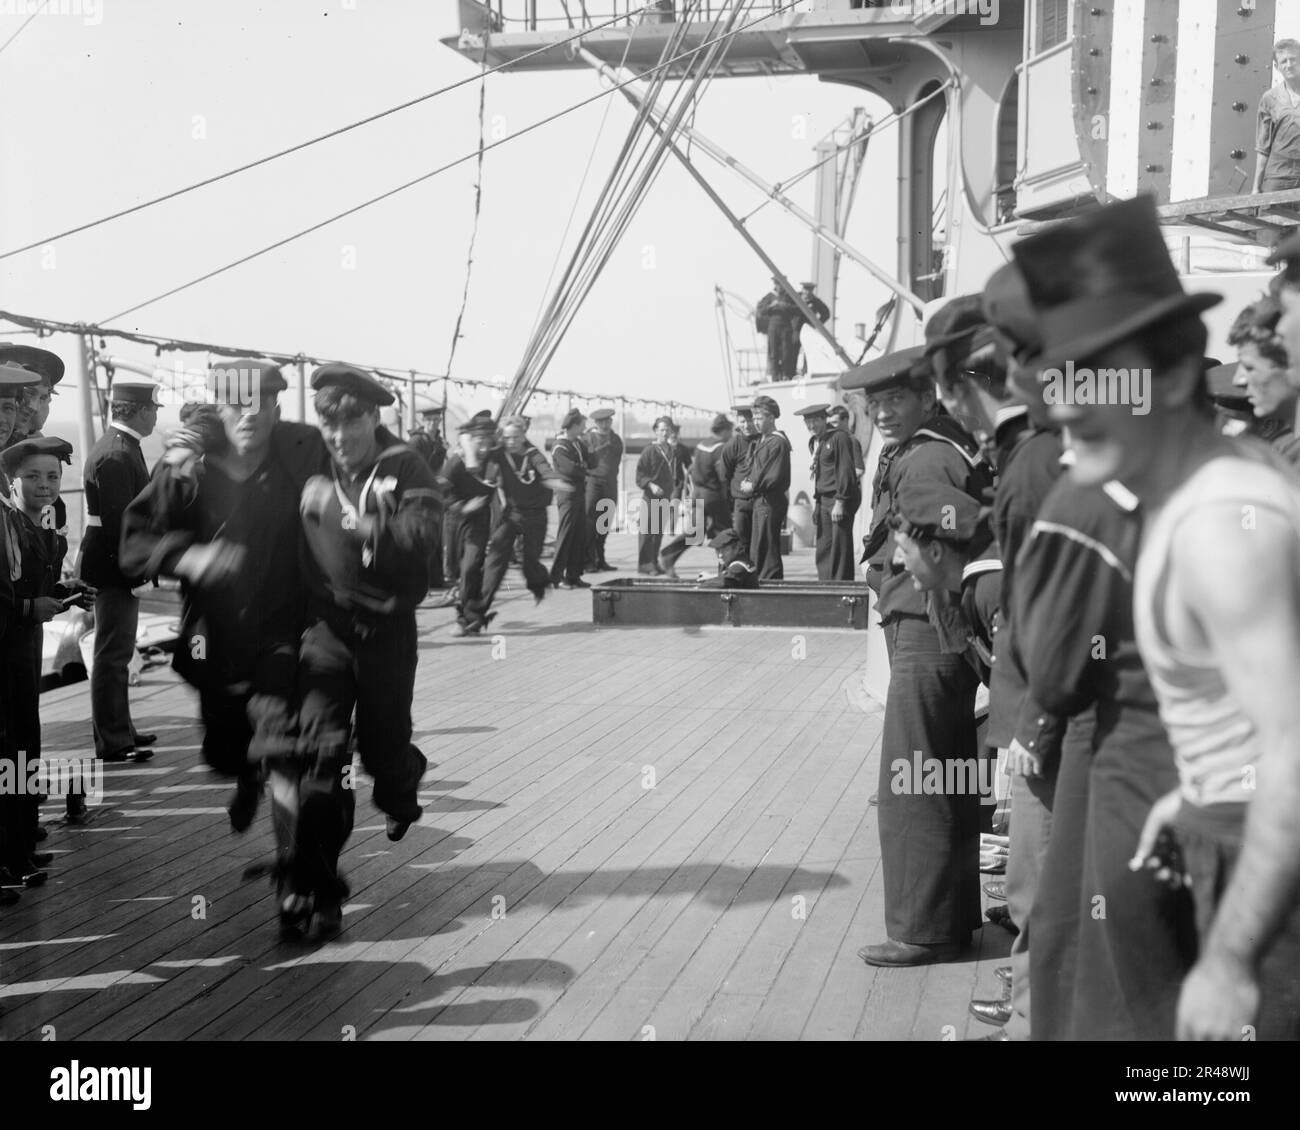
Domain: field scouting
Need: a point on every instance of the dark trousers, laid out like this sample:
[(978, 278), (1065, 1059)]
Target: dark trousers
[(765, 540), (20, 672), (707, 517), (1210, 856), (602, 504), (470, 538), (929, 842), (1031, 830), (345, 663), (782, 349), (530, 527), (653, 523), (570, 537), (1109, 947), (117, 614), (835, 550), (450, 554), (437, 573), (223, 704), (742, 520)]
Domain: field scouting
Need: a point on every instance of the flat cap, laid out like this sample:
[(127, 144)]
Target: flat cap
[(352, 380), (929, 508), (1007, 307), (724, 539), (893, 370), (720, 423), (48, 365), (768, 405), (813, 410), (244, 379), (478, 426), (571, 417), (954, 324), (743, 410), (11, 457), (436, 410), (603, 414), (14, 378), (134, 390), (808, 286)]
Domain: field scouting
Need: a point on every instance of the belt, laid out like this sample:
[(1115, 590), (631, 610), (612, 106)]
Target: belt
[(93, 520)]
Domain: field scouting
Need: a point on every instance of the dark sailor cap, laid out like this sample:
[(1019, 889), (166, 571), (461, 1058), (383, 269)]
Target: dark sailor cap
[(232, 382), (478, 426), (353, 381), (11, 457), (1008, 309), (14, 378), (743, 410), (768, 405), (813, 410), (893, 370), (603, 414), (929, 508), (48, 366), (571, 417), (720, 423)]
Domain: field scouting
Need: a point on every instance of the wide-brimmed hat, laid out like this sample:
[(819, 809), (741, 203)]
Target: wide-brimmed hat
[(42, 361), (1101, 278)]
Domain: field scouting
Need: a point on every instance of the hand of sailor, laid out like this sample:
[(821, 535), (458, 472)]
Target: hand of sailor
[(45, 608), (1024, 762), (655, 489), (211, 563), (1157, 849), (1219, 1000), (746, 487), (837, 511), (316, 495)]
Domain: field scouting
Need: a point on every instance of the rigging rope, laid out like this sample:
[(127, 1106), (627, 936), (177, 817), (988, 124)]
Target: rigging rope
[(24, 27)]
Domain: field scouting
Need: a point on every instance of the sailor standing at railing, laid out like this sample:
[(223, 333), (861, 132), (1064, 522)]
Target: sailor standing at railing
[(114, 474)]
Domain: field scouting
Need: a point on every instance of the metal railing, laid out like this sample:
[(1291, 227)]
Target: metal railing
[(523, 15)]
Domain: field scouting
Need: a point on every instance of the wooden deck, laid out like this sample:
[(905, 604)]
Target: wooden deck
[(549, 892)]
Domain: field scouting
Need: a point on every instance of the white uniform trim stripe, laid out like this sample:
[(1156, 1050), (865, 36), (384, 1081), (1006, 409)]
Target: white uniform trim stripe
[(1079, 538), (973, 460), (984, 565)]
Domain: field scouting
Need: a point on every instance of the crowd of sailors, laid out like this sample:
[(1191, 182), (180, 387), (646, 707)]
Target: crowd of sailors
[(1116, 561)]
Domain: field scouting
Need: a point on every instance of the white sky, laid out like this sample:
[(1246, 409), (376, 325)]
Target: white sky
[(159, 93)]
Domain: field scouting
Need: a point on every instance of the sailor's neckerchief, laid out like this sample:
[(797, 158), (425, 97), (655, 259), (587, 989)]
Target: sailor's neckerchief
[(381, 488)]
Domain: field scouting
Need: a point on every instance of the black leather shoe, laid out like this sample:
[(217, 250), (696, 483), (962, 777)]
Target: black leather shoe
[(327, 918), (295, 913), (129, 755), (991, 1012), (145, 739), (1003, 974), (1001, 916), (42, 859), (396, 829), (892, 953)]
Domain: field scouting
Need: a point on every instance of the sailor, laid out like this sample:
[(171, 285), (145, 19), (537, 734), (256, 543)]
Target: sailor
[(368, 523), (1277, 125), (657, 474), (1261, 376), (528, 483), (602, 486), (427, 442), (735, 570), (114, 474), (943, 539), (838, 417), (837, 494), (779, 318), (572, 462), (810, 299), (768, 484), (929, 841), (35, 548), (1222, 657), (682, 488), (733, 468), (14, 380), (225, 522), (35, 409), (471, 481), (709, 514)]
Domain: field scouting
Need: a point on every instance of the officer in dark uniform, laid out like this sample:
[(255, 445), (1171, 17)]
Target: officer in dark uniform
[(427, 442), (837, 493), (367, 524), (814, 303), (221, 513), (602, 486), (114, 474), (733, 468), (572, 462), (768, 484), (929, 842)]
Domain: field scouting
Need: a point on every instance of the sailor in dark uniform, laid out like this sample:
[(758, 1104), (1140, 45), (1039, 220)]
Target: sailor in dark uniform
[(36, 545), (768, 484), (471, 481), (572, 462), (733, 469), (602, 486), (657, 473), (427, 442), (114, 474), (814, 303), (367, 524), (778, 318), (929, 842), (221, 514), (35, 409), (709, 514), (837, 494)]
